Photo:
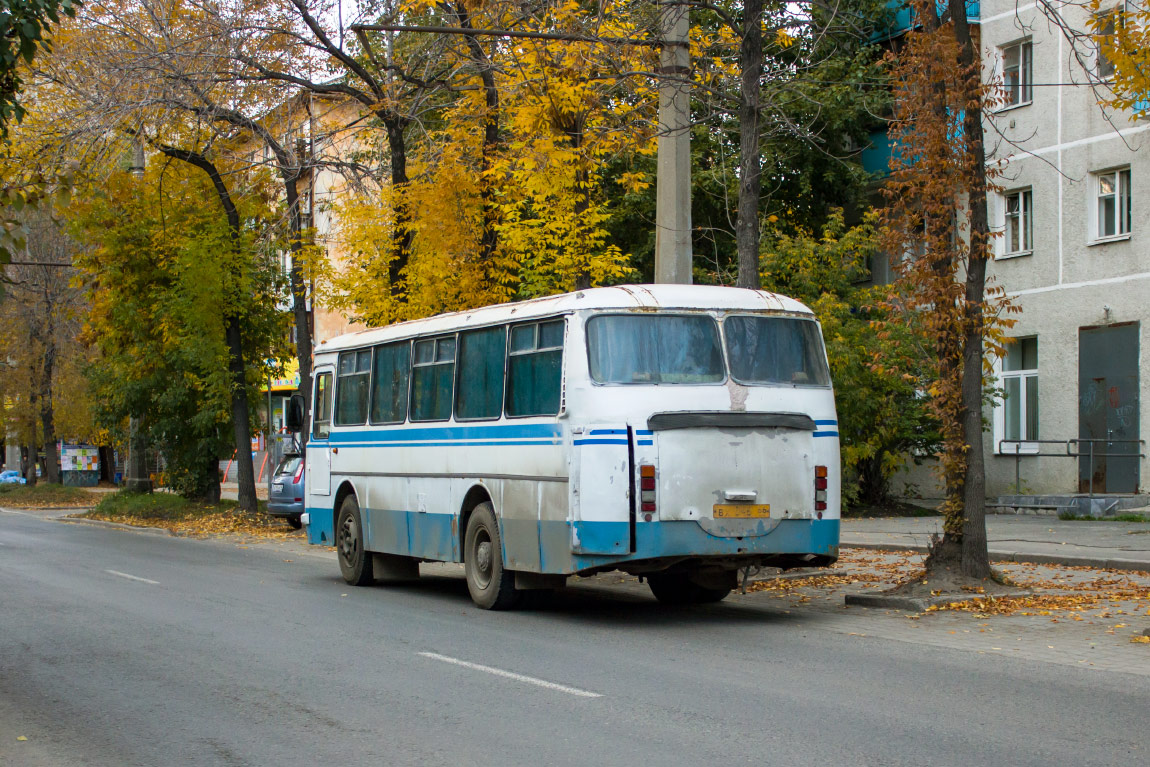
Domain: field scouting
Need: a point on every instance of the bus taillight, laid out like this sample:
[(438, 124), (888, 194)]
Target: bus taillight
[(647, 489), (820, 489)]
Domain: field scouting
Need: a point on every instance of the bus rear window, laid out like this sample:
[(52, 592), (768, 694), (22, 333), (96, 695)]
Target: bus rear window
[(776, 350), (654, 349)]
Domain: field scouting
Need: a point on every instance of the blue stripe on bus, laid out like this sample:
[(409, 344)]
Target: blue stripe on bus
[(600, 442), (646, 442), (450, 433), (825, 434), (460, 443), (644, 432), (826, 423), (608, 431)]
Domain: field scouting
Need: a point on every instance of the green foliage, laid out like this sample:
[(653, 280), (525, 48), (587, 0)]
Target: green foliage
[(163, 276), (878, 375), (824, 82), (44, 495), (157, 506), (22, 27)]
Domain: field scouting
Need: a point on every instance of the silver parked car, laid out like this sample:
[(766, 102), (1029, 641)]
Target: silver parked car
[(285, 496)]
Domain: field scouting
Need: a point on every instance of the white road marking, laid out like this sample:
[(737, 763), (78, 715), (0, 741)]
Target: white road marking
[(512, 675), (132, 577)]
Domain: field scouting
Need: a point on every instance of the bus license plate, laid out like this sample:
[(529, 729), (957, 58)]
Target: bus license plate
[(741, 510)]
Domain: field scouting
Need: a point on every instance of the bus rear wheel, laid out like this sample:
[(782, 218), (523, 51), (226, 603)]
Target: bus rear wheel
[(354, 562), (492, 587), (678, 589)]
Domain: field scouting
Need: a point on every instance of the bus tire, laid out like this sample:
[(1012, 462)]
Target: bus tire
[(678, 589), (492, 586), (354, 562)]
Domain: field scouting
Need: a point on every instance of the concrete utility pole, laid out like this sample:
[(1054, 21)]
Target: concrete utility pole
[(136, 467), (673, 182)]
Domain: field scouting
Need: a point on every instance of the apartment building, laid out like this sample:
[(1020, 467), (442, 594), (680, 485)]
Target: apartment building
[(1074, 255)]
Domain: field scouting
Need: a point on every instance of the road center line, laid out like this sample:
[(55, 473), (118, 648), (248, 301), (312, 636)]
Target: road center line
[(512, 675), (132, 577)]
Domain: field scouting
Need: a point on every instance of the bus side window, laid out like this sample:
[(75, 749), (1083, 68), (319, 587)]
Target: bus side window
[(479, 389), (432, 376), (321, 412), (389, 382), (535, 369), (352, 388)]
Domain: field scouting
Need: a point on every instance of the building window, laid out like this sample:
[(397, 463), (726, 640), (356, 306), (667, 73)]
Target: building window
[(1017, 73), (1105, 65), (1112, 203), (1019, 223), (1020, 394)]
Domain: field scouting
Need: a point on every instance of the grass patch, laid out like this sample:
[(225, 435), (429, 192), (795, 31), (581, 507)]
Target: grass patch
[(44, 495), (889, 509), (185, 517), (1070, 517)]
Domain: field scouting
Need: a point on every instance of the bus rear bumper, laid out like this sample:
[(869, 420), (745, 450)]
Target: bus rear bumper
[(790, 541)]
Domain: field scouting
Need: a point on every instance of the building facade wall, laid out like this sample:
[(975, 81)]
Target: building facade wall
[(1054, 146)]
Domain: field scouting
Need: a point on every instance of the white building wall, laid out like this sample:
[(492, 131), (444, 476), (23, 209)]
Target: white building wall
[(1068, 281)]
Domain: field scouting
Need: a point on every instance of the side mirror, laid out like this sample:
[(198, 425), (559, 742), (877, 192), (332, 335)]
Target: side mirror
[(294, 420)]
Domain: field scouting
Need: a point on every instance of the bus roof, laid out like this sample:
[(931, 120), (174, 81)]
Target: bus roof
[(618, 297)]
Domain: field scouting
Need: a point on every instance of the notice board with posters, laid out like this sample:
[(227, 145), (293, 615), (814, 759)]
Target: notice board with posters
[(80, 465)]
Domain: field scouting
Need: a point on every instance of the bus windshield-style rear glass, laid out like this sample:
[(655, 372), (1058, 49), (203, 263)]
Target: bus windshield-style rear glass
[(654, 349), (776, 351)]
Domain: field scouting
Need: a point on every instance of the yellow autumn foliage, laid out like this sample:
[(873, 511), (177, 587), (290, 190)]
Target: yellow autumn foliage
[(522, 218)]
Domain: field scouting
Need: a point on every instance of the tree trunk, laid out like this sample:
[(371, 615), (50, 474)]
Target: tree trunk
[(750, 163), (583, 203), (975, 558), (490, 239), (241, 417), (32, 450), (397, 146), (300, 313), (47, 412), (210, 491)]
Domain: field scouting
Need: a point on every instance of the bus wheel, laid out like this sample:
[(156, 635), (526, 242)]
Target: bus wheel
[(354, 562), (678, 589), (491, 586)]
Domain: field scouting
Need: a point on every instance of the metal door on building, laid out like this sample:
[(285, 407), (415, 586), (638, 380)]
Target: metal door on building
[(1108, 409)]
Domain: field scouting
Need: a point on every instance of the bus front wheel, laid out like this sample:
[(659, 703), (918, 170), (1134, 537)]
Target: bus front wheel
[(492, 587), (679, 589), (354, 562)]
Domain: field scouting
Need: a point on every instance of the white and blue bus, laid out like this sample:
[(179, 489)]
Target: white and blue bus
[(674, 432)]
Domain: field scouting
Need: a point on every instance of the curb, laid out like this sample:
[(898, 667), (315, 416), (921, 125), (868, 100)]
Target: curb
[(1098, 563), (792, 576), (918, 604), (117, 526)]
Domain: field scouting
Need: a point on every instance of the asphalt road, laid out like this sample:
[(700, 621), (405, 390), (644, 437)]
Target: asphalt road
[(119, 648)]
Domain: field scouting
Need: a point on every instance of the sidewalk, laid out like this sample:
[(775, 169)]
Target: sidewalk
[(1011, 538)]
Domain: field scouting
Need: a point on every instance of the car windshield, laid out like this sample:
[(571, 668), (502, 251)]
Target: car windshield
[(775, 351), (288, 465), (654, 349)]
